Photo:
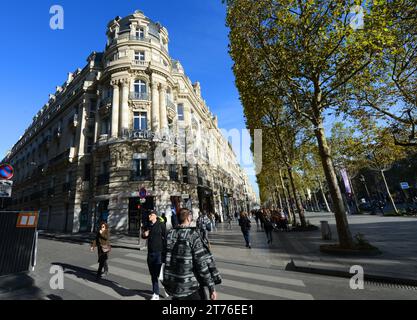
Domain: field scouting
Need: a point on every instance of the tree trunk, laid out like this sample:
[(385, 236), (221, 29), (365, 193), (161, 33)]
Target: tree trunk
[(298, 204), (323, 196), (315, 200), (345, 237), (389, 193), (279, 198), (290, 215)]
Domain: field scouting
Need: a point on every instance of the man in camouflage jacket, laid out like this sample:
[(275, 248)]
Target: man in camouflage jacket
[(189, 264)]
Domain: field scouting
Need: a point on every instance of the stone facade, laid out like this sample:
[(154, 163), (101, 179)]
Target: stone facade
[(129, 120)]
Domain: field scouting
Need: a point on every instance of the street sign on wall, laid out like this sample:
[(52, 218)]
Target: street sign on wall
[(404, 185), (6, 188), (6, 171)]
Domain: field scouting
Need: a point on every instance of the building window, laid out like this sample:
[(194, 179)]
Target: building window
[(140, 55), (140, 169), (105, 126), (87, 172), (173, 174), (180, 111), (185, 174), (140, 33), (140, 86), (90, 144), (140, 121)]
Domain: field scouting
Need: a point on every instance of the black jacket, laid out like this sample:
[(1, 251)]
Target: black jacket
[(156, 238)]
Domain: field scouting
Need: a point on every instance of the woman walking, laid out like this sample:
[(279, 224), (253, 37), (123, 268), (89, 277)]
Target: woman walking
[(102, 242), (245, 226)]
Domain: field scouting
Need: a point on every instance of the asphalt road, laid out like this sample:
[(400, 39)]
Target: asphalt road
[(247, 274)]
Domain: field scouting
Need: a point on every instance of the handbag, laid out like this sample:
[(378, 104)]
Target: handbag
[(106, 248)]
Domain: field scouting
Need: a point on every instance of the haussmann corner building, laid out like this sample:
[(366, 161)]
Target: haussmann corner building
[(128, 132)]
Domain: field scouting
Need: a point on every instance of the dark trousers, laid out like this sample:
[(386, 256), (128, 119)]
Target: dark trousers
[(247, 237), (102, 263), (268, 233), (154, 266)]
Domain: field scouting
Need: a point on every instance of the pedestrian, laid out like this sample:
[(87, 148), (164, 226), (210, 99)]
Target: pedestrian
[(164, 218), (204, 225), (174, 220), (245, 226), (213, 221), (189, 264), (156, 235), (268, 227), (257, 220), (102, 243), (229, 222)]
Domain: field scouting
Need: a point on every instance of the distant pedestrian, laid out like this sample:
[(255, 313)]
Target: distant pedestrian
[(102, 243), (245, 226), (156, 235), (204, 225), (229, 222), (174, 219), (257, 220), (189, 264), (268, 227)]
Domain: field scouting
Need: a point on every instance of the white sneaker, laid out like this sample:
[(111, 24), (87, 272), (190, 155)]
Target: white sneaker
[(155, 297)]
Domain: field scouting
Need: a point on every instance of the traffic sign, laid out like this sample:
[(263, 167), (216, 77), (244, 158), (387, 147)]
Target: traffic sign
[(142, 193), (6, 171), (6, 188), (404, 185)]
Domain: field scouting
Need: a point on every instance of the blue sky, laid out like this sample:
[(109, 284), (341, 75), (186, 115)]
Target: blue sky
[(35, 59)]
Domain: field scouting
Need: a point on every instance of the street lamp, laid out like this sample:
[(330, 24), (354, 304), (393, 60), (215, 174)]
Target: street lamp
[(362, 179)]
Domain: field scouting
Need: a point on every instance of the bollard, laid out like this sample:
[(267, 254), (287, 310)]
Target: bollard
[(326, 232)]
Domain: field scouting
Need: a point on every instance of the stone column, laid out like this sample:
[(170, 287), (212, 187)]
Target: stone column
[(97, 128), (163, 108), (155, 107), (115, 110), (83, 122), (187, 115), (124, 105)]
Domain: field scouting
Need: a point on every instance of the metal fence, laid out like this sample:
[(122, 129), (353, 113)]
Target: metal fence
[(18, 241)]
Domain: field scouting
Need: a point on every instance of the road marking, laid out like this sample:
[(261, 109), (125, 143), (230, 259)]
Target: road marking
[(102, 288), (225, 271), (277, 292)]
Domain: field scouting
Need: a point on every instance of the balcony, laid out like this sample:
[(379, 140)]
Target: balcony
[(103, 179), (139, 38), (145, 175), (144, 96), (141, 63)]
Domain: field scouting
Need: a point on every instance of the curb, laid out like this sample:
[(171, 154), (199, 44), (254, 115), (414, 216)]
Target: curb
[(78, 240), (344, 274)]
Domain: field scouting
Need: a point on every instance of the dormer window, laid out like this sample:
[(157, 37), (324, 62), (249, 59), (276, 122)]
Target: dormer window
[(140, 33)]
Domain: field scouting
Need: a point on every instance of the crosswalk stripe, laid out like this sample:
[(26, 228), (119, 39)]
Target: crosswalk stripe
[(103, 289), (277, 292), (257, 276), (146, 279), (225, 271)]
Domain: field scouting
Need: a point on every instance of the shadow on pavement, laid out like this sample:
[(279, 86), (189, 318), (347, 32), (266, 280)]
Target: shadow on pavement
[(90, 275)]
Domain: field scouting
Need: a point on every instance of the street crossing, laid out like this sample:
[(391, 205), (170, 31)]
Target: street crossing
[(129, 279)]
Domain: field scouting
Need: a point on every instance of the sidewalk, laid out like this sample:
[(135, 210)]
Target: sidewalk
[(395, 237), (118, 240)]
